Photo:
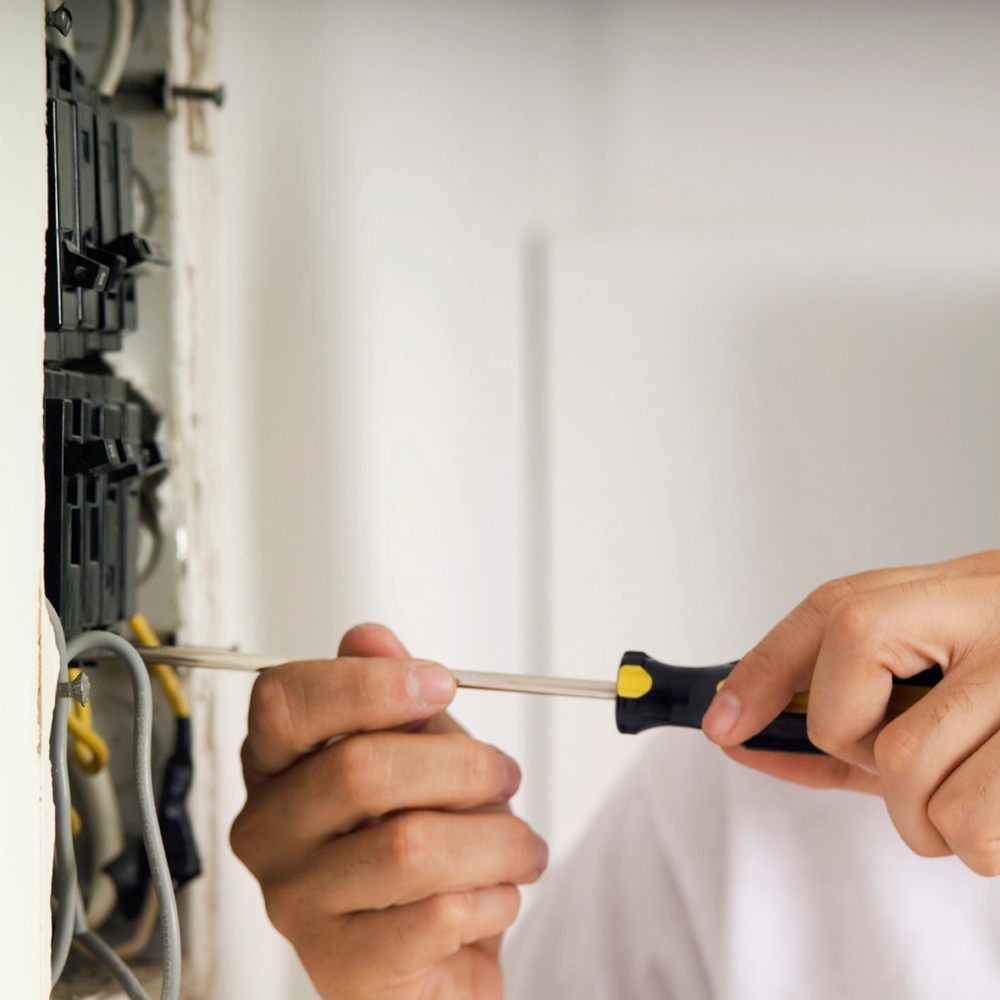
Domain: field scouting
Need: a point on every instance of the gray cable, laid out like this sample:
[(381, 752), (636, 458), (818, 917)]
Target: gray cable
[(141, 764), (103, 952), (65, 857)]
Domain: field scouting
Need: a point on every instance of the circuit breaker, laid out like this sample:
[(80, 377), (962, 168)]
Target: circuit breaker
[(99, 449)]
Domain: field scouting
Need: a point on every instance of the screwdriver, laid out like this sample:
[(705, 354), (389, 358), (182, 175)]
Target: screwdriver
[(647, 693)]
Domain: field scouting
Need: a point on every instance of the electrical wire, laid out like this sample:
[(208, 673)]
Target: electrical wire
[(116, 55), (105, 954), (96, 791), (90, 749), (144, 927), (142, 747), (98, 801), (167, 675), (100, 949), (64, 881), (149, 206)]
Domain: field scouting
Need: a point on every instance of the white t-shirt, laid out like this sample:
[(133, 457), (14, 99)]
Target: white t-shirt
[(702, 879)]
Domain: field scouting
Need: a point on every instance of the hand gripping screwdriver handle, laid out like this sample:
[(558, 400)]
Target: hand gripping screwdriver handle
[(650, 693)]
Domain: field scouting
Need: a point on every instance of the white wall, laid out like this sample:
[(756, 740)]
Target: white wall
[(424, 205), (29, 683)]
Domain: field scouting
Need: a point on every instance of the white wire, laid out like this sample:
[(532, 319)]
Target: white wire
[(142, 749), (97, 802), (116, 55)]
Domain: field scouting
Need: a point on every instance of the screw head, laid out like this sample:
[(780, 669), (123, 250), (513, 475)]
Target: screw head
[(78, 689), (61, 19)]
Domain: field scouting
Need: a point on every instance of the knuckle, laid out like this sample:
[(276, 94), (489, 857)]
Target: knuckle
[(828, 595), (850, 621), (981, 562), (270, 707), (450, 912), (927, 847), (409, 844), (365, 689), (763, 663), (897, 749), (955, 817), (985, 863), (356, 773), (822, 735), (523, 841), (482, 769)]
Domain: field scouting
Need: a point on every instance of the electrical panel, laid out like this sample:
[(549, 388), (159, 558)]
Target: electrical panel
[(125, 736), (99, 449)]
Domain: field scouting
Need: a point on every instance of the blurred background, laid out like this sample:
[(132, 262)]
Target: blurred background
[(557, 329)]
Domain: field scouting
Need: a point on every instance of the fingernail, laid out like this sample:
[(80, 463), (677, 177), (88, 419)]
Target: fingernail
[(511, 776), (430, 683), (870, 768), (542, 858), (722, 714)]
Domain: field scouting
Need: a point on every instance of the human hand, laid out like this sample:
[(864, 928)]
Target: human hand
[(937, 764), (378, 829)]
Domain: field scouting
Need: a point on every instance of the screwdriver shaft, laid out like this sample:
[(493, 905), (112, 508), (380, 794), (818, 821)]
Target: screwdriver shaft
[(225, 659), (533, 684)]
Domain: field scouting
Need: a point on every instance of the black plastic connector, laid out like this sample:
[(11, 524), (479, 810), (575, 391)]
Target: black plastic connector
[(130, 870)]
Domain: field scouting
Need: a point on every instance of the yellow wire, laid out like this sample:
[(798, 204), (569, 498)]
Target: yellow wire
[(75, 822), (83, 712), (91, 750), (168, 676)]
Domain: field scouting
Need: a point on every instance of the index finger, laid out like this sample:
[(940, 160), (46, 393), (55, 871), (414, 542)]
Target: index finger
[(297, 707)]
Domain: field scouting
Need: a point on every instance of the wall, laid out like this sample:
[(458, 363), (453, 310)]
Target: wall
[(29, 682), (433, 211)]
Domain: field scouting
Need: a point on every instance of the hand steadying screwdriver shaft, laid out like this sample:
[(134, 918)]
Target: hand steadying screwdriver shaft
[(647, 693)]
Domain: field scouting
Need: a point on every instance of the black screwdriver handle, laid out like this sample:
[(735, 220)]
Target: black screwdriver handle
[(651, 693)]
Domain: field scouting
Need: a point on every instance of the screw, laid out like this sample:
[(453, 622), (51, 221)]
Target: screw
[(216, 96), (78, 689), (61, 19)]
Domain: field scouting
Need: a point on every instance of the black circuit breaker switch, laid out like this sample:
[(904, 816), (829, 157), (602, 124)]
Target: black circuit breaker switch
[(93, 253), (97, 459)]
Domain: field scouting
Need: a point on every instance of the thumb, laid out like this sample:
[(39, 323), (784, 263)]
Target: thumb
[(371, 640)]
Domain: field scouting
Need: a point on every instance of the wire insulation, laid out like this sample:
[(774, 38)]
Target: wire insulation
[(89, 747), (104, 953), (167, 675), (116, 55), (64, 881), (144, 928), (98, 802), (142, 747)]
